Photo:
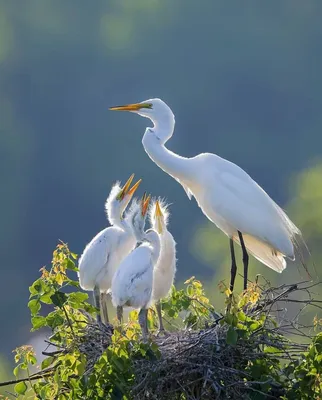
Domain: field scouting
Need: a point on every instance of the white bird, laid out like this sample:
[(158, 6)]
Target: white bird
[(165, 269), (227, 195), (107, 249), (133, 281)]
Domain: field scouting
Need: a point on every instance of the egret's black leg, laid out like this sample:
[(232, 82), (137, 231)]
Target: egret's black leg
[(233, 270), (245, 259), (143, 321), (104, 298), (97, 302), (161, 327), (119, 313)]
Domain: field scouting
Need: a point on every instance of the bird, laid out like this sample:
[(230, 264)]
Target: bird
[(106, 250), (133, 281), (226, 194), (165, 269)]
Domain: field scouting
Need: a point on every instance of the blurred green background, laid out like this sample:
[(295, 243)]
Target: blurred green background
[(243, 79)]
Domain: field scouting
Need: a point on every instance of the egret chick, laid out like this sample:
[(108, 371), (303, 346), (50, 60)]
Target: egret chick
[(107, 249), (164, 271), (133, 281)]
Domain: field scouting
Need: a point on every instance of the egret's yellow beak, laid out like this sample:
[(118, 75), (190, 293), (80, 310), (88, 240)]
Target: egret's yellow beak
[(145, 204), (158, 216), (126, 188), (131, 107)]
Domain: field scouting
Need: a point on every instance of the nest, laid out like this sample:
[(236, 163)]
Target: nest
[(200, 364), (97, 337)]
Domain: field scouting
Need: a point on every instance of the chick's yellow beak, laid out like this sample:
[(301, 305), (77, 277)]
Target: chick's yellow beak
[(158, 212), (145, 204), (126, 188), (158, 216), (134, 187), (131, 107)]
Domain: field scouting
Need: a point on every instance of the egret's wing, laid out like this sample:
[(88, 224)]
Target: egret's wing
[(96, 255), (133, 279), (246, 206), (141, 264), (263, 252)]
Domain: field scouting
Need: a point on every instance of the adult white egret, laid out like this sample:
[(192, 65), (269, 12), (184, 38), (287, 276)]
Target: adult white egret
[(133, 281), (227, 195), (106, 250), (165, 269)]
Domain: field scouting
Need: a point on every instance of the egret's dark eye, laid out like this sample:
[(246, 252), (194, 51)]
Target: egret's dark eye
[(147, 105)]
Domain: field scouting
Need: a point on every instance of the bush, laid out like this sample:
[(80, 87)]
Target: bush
[(243, 354)]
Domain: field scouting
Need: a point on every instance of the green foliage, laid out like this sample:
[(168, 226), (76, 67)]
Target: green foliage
[(306, 373), (92, 365)]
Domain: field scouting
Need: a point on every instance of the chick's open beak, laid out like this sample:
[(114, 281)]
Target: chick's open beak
[(145, 203), (126, 188), (158, 216), (134, 187)]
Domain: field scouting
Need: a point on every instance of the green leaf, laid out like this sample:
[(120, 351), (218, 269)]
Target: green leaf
[(21, 388), (73, 255), (47, 362), (185, 303), (37, 287), (34, 306), (90, 309), (76, 300), (46, 298), (17, 369), (171, 312), (54, 319), (38, 322), (56, 337), (71, 265), (59, 299), (254, 326), (241, 316), (72, 283), (232, 336)]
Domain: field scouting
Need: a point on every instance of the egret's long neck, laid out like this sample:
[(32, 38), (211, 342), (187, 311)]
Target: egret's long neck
[(167, 251), (126, 226), (115, 220), (154, 141), (153, 238)]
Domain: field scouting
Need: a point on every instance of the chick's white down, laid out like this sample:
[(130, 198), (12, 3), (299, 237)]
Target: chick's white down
[(133, 281), (227, 195), (107, 249)]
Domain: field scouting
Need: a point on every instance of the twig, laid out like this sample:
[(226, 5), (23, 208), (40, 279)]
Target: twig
[(31, 378)]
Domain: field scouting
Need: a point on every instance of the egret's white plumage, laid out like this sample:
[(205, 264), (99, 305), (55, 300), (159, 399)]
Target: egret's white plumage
[(107, 249), (133, 281), (227, 195), (165, 269)]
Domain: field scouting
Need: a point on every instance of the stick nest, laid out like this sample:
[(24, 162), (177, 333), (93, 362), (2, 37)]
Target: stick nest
[(201, 364)]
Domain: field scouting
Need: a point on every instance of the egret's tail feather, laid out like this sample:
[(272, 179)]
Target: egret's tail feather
[(301, 249), (264, 253), (303, 253)]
